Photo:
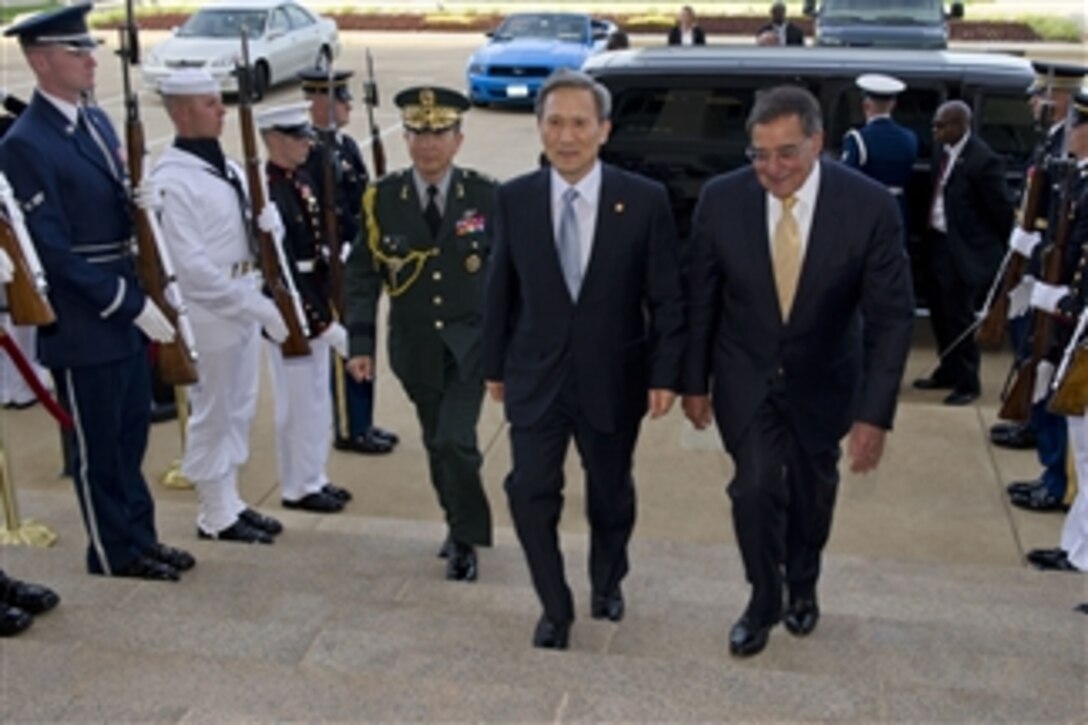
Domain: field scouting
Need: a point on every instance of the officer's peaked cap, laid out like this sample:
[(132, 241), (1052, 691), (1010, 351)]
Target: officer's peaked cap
[(430, 108), (1057, 76), (292, 119), (63, 26), (880, 86), (316, 82)]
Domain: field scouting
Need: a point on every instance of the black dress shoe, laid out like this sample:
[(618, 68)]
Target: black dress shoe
[(1022, 488), (444, 550), (746, 640), (461, 564), (13, 620), (31, 598), (932, 383), (14, 405), (551, 635), (257, 520), (387, 435), (318, 502), (1040, 500), (367, 444), (144, 567), (340, 494), (1082, 608), (801, 617), (607, 606), (960, 397), (1050, 560), (162, 412), (240, 532), (177, 558), (1016, 436)]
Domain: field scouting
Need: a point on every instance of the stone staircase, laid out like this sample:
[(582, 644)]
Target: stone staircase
[(350, 618)]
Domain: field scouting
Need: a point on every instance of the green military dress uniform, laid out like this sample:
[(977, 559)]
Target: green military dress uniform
[(435, 285)]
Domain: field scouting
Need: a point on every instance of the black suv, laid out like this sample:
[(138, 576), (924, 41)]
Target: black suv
[(678, 113)]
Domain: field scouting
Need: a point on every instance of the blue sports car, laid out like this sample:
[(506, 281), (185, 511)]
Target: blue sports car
[(526, 48)]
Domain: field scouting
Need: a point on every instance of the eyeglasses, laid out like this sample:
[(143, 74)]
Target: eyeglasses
[(788, 153)]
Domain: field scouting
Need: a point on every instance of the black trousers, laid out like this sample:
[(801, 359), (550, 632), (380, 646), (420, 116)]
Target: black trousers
[(783, 499), (952, 310), (448, 416), (535, 490)]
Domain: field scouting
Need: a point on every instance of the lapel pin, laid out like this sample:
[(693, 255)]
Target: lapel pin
[(619, 207)]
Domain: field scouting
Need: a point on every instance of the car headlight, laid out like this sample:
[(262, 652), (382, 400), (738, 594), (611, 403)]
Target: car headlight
[(477, 69), (223, 61)]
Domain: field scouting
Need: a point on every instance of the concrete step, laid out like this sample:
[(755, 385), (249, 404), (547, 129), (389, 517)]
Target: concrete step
[(349, 617)]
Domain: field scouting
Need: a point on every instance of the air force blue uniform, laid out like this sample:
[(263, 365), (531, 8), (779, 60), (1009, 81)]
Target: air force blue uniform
[(884, 151), (77, 210)]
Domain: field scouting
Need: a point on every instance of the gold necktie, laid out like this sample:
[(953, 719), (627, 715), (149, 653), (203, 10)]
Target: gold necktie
[(787, 256)]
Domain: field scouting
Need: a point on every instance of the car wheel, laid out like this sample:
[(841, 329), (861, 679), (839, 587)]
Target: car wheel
[(323, 59), (260, 81)]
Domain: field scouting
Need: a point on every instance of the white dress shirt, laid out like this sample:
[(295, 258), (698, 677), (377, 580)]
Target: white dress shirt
[(585, 208), (803, 210)]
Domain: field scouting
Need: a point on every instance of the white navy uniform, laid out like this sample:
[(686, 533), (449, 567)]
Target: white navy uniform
[(205, 229)]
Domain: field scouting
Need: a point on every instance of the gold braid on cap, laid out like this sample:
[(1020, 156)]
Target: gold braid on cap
[(393, 265), (427, 114)]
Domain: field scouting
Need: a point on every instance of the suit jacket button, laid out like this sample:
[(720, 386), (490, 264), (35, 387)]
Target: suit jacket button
[(438, 300), (439, 324), (437, 276)]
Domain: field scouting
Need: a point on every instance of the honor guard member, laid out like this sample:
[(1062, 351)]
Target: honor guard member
[(64, 161), (1067, 302), (301, 384), (1050, 97), (206, 225), (426, 242), (882, 149), (353, 415)]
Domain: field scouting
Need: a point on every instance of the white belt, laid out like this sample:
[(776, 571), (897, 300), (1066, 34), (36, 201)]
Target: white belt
[(241, 269), (305, 265)]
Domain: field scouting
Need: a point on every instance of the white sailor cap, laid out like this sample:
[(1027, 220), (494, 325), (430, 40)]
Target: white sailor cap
[(878, 85), (291, 118), (189, 82)]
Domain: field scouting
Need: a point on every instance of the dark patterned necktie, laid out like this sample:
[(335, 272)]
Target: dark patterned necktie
[(431, 215)]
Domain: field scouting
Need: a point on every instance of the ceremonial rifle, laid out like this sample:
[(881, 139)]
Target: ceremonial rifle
[(26, 293), (991, 330), (176, 360), (273, 261), (329, 224), (370, 98), (1017, 400)]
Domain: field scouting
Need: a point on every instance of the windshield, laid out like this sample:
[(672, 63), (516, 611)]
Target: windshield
[(224, 23), (568, 28), (906, 12)]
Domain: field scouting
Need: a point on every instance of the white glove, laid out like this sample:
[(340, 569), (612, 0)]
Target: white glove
[(269, 316), (1020, 297), (1046, 297), (1023, 243), (1044, 375), (153, 323), (270, 222), (148, 195), (7, 269), (337, 337)]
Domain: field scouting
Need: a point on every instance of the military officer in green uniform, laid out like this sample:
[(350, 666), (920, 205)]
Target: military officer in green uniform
[(425, 234)]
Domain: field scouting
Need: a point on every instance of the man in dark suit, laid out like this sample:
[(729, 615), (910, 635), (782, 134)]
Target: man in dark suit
[(799, 318), (583, 333), (969, 222), (64, 162), (782, 30), (686, 32)]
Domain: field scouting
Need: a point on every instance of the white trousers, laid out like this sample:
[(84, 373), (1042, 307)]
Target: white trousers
[(1075, 529), (222, 405), (13, 389), (303, 418)]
